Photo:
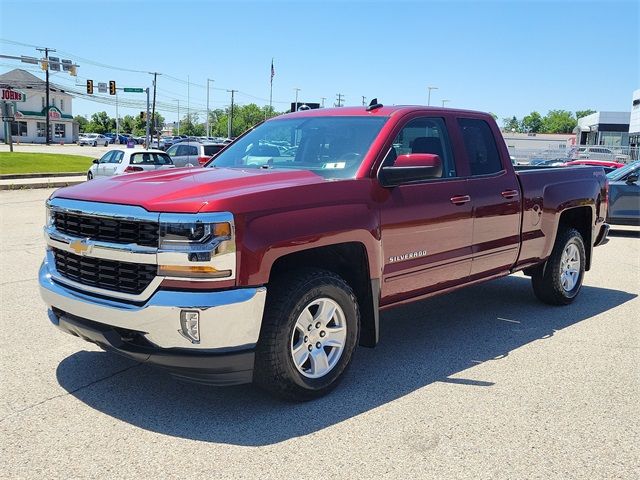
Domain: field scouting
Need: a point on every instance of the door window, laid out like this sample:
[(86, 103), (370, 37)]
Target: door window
[(192, 150), (172, 150), (116, 157), (162, 159), (481, 147), (424, 135), (106, 158)]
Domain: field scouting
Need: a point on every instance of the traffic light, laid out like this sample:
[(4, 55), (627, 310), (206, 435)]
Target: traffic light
[(73, 71), (112, 87), (44, 64), (90, 87)]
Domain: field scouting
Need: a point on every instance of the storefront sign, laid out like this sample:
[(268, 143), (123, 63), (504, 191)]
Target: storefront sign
[(54, 113), (9, 95)]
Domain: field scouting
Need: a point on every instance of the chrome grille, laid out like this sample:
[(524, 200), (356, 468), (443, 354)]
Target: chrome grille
[(122, 277), (106, 229)]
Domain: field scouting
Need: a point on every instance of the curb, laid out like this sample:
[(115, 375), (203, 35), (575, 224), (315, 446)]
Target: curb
[(18, 176), (26, 186)]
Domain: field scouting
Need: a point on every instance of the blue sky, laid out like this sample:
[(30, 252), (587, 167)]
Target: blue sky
[(507, 57)]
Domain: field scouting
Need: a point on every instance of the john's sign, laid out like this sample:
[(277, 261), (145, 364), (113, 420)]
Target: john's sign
[(8, 95)]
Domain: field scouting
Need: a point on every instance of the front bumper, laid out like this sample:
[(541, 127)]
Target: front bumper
[(230, 323)]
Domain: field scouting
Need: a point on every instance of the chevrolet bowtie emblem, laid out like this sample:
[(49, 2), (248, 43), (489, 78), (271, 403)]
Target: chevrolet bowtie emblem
[(81, 247)]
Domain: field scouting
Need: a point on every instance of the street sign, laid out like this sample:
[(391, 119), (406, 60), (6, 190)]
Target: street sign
[(133, 90), (102, 87), (54, 64), (9, 95)]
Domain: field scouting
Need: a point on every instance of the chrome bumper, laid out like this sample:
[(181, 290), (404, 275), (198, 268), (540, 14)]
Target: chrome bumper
[(229, 319)]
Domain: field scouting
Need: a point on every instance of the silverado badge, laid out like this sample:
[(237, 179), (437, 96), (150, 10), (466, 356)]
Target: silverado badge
[(407, 256)]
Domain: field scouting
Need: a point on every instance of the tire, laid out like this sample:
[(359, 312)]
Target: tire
[(106, 144), (299, 366), (559, 280), (95, 144), (89, 176)]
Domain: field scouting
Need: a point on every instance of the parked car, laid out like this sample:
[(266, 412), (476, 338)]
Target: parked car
[(193, 154), (111, 137), (608, 166), (159, 145), (595, 152), (118, 162), (624, 195), (93, 139)]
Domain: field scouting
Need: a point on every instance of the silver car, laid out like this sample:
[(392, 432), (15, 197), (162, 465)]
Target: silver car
[(193, 154), (93, 139), (118, 162)]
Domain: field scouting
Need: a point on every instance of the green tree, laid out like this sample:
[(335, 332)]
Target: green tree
[(100, 123), (584, 113), (559, 121), (532, 123), (81, 121), (511, 124), (190, 126), (127, 124)]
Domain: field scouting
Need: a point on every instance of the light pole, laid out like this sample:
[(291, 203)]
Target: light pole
[(208, 130), (296, 107), (445, 101), (429, 97), (178, 100)]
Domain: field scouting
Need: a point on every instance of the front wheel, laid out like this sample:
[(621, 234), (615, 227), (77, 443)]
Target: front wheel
[(89, 176), (95, 144), (309, 332), (559, 280)]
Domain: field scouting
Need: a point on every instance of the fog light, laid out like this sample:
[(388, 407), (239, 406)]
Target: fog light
[(190, 323)]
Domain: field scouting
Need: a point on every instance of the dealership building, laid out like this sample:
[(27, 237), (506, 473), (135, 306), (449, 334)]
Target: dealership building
[(31, 110)]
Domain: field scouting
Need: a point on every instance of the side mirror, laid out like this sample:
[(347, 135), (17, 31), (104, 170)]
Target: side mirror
[(632, 178), (96, 160), (411, 167)]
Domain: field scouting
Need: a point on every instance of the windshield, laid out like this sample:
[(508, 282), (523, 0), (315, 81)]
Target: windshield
[(332, 147), (619, 173)]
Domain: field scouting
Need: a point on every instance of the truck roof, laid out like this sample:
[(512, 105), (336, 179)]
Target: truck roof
[(384, 111)]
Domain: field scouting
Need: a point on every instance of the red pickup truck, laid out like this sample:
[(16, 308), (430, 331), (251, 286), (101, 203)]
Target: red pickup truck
[(272, 262)]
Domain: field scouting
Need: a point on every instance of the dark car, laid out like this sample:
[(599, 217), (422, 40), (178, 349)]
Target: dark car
[(624, 195)]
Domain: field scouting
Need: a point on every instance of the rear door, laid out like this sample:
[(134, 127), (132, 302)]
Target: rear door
[(426, 226), (162, 161), (495, 191)]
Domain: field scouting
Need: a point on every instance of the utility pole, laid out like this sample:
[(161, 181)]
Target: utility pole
[(208, 130), (296, 108), (323, 99), (429, 97), (364, 101), (117, 120), (445, 101), (178, 100), (189, 101), (230, 121), (339, 99), (47, 123), (153, 109), (147, 137)]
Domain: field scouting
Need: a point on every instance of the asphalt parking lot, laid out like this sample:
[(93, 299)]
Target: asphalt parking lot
[(482, 383)]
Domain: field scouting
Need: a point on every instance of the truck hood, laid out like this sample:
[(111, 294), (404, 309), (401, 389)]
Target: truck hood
[(187, 190)]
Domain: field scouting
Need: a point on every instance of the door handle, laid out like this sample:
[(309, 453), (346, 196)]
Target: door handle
[(460, 199), (510, 193)]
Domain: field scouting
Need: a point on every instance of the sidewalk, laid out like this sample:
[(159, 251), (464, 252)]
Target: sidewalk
[(46, 182)]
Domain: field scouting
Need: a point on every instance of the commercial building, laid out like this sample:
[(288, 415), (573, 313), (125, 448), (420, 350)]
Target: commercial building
[(31, 111), (538, 141), (610, 129)]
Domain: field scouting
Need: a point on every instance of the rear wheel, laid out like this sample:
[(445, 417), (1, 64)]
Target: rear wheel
[(559, 280), (309, 332), (95, 144)]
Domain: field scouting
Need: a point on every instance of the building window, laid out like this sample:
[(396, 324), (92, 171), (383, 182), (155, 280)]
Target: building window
[(59, 130), (61, 105), (19, 129), (41, 129)]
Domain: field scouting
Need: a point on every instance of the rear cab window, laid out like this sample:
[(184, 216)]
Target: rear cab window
[(480, 144)]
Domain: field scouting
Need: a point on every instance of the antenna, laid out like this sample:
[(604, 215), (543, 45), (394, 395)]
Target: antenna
[(373, 105)]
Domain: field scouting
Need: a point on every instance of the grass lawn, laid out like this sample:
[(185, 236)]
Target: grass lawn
[(19, 162)]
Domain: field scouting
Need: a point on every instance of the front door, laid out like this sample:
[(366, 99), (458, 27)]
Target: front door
[(426, 226), (102, 163)]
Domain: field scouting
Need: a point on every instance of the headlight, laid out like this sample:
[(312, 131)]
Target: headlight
[(49, 218), (197, 246)]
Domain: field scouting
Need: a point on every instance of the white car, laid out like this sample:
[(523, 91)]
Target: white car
[(118, 162), (93, 139)]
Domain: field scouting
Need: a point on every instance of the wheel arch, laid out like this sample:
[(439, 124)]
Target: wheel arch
[(350, 261)]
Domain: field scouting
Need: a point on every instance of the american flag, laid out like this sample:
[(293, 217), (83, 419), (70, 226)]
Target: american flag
[(273, 71)]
